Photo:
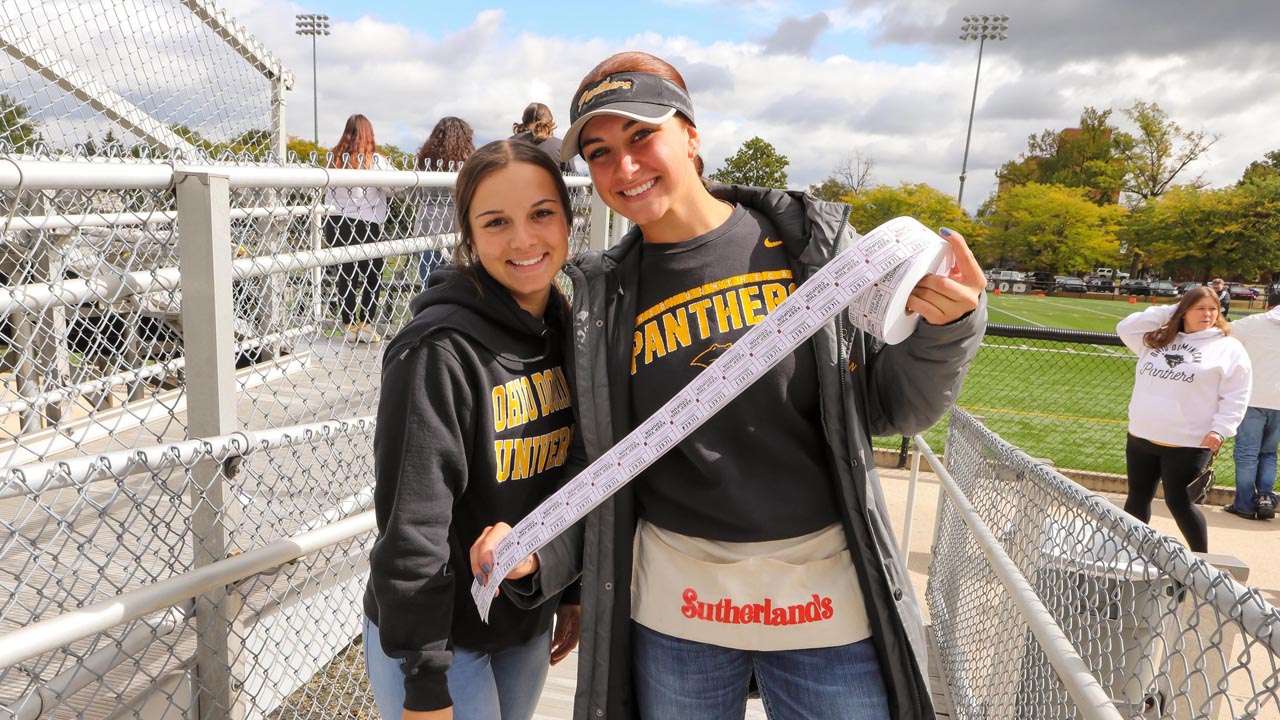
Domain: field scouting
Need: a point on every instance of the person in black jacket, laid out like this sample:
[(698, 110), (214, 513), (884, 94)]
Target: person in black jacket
[(538, 127), (760, 543), (474, 427)]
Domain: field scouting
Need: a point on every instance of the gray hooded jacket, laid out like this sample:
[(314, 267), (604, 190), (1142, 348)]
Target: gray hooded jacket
[(867, 389)]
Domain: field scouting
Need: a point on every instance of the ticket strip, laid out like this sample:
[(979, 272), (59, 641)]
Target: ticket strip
[(873, 279)]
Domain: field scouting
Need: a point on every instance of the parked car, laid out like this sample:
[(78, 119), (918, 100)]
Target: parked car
[(1184, 287), (1135, 287), (1066, 283), (1040, 281), (1006, 275), (1163, 288), (1241, 292), (1097, 284)]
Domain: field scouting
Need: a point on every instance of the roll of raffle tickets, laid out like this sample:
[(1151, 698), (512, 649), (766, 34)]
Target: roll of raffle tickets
[(872, 279)]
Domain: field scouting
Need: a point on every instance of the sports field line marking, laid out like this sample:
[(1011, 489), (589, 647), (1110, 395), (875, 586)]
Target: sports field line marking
[(1006, 312), (1039, 414), (1028, 348), (1074, 306)]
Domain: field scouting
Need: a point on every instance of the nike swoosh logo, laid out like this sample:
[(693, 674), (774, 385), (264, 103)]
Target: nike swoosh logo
[(772, 243)]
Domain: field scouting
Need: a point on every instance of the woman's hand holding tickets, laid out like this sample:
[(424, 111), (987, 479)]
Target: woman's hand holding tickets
[(482, 555), (942, 299)]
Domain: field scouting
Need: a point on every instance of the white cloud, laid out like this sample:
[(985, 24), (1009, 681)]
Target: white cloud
[(910, 118)]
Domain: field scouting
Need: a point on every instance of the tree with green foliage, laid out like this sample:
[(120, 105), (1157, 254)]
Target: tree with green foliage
[(1267, 167), (1051, 228), (18, 131), (1157, 152), (756, 163), (304, 151), (930, 206), (1233, 232), (1082, 157)]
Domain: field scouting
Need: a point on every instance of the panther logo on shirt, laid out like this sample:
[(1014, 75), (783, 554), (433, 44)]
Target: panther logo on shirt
[(1173, 361), (710, 355)]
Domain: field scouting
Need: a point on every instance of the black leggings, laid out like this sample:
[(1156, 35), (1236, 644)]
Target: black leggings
[(364, 274), (1149, 464)]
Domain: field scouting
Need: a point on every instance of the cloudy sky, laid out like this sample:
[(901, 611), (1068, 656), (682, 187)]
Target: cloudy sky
[(887, 78)]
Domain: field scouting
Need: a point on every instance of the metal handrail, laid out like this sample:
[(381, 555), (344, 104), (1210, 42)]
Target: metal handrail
[(18, 174), (41, 296), (1257, 618), (46, 636), (1085, 690), (80, 471)]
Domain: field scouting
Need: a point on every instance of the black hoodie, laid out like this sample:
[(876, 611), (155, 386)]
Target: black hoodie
[(474, 427)]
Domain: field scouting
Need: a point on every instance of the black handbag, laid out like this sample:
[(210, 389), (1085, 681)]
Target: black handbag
[(1198, 488)]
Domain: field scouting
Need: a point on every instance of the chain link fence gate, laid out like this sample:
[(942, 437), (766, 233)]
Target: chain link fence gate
[(1160, 632), (185, 504), (136, 79)]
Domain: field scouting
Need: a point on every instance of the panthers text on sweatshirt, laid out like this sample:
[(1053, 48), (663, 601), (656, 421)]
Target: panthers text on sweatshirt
[(1196, 384)]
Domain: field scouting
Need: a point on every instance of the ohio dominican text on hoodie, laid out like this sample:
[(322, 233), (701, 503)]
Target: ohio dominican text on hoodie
[(1195, 384), (474, 427)]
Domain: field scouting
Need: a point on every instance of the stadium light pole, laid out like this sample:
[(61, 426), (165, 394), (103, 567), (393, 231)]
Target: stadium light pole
[(313, 25), (981, 28)]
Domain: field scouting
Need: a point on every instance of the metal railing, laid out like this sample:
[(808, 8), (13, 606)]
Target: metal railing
[(185, 504), (1024, 558)]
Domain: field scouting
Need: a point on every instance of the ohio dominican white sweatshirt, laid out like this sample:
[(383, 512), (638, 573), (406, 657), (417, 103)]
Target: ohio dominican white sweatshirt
[(1195, 384), (1260, 335)]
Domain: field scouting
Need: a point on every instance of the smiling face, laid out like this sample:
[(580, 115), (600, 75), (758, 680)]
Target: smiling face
[(520, 232), (641, 170), (1201, 316)]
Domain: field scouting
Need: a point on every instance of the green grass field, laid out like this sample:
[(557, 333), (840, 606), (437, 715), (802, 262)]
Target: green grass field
[(1067, 402)]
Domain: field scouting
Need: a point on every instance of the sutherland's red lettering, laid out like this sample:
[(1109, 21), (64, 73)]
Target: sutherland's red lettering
[(727, 612)]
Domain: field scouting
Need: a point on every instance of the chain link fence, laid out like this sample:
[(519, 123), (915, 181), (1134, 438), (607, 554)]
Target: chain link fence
[(1059, 395), (184, 537), (135, 78), (1160, 632)]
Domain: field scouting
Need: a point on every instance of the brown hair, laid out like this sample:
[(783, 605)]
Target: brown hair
[(448, 146), (536, 121), (356, 147), (638, 62), (1163, 335), (483, 163)]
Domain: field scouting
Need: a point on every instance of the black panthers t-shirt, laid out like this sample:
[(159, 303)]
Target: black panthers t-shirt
[(758, 470)]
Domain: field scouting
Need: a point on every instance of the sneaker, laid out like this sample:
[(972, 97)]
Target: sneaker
[(352, 334), (1240, 513), (1266, 507), (368, 335)]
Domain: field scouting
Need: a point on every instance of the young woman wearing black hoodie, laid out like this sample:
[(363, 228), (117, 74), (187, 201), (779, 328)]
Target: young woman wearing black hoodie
[(474, 427)]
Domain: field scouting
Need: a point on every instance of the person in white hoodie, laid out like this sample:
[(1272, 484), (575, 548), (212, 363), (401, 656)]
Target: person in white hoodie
[(1190, 392), (1258, 438)]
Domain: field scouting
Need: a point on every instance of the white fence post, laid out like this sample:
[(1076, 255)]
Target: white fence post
[(204, 225), (599, 235), (279, 132)]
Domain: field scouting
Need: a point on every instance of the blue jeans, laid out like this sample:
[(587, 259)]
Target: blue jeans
[(1255, 457), (498, 686), (686, 679), (428, 261)]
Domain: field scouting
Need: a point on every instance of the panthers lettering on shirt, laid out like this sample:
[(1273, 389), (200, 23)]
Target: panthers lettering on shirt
[(759, 469)]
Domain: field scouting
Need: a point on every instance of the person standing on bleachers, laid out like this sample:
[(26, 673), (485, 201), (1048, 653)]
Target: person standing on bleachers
[(1258, 438), (357, 218), (449, 145), (536, 126)]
